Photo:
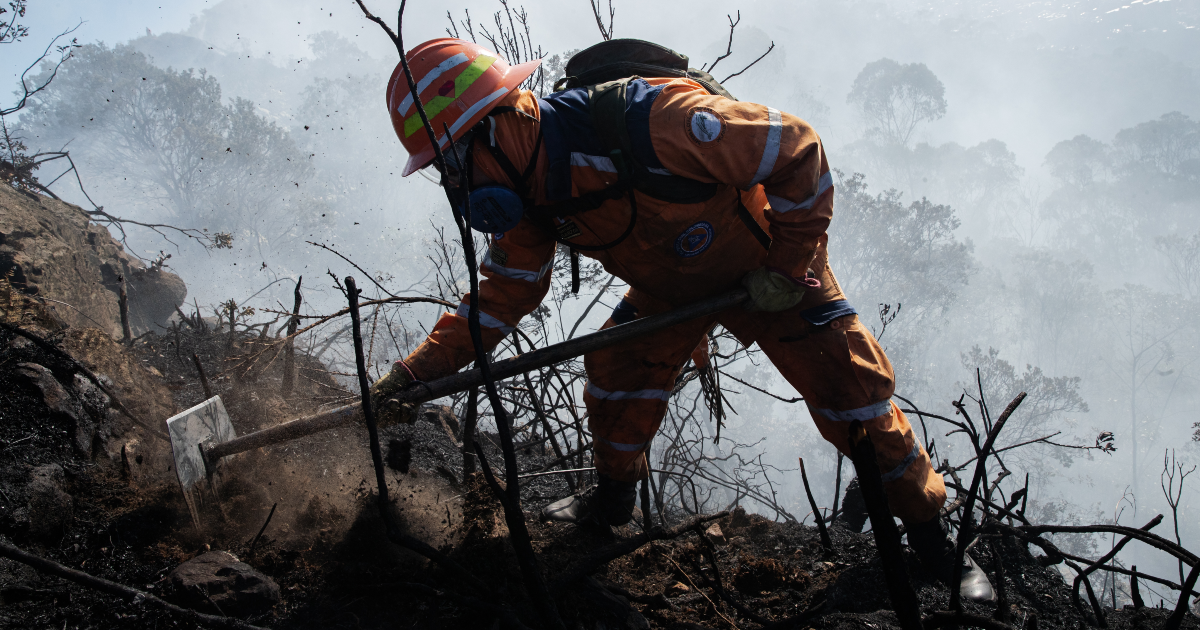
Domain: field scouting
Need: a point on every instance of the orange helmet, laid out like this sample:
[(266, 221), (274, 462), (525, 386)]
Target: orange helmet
[(459, 83)]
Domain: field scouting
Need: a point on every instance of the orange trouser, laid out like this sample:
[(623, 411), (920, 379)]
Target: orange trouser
[(838, 367)]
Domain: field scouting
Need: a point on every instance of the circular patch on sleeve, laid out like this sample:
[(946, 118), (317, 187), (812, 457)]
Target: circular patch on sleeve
[(705, 125), (694, 240)]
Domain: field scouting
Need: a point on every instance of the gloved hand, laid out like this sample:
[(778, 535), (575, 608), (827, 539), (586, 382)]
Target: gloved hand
[(773, 290), (389, 412)]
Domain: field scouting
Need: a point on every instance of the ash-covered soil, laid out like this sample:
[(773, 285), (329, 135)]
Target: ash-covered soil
[(84, 486)]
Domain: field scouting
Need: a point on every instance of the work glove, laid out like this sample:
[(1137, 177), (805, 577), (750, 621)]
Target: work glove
[(773, 290), (387, 410)]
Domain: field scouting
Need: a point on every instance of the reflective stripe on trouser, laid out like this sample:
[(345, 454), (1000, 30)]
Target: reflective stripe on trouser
[(838, 367), (627, 392)]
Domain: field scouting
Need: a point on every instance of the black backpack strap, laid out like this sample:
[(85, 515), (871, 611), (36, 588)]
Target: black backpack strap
[(608, 103), (760, 234)]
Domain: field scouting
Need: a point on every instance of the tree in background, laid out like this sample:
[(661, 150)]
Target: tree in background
[(16, 165), (1123, 199), (1056, 301), (1168, 147), (895, 98), (1045, 411), (165, 141), (1153, 348), (887, 252)]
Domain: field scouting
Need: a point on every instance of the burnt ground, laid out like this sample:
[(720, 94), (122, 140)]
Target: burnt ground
[(108, 504)]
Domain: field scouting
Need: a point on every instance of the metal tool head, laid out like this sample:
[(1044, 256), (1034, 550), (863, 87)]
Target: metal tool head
[(191, 431)]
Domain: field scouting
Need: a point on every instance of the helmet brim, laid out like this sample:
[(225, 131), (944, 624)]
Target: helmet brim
[(513, 78)]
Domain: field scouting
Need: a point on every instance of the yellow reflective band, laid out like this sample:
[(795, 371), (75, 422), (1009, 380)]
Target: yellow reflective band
[(438, 104)]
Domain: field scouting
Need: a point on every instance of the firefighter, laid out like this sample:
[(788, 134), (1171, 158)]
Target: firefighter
[(701, 193)]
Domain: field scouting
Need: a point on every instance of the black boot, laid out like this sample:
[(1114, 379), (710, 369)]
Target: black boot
[(610, 502), (936, 550)]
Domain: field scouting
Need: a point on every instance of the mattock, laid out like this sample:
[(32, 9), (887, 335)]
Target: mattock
[(202, 437)]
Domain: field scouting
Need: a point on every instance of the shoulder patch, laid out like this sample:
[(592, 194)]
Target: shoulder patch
[(705, 125), (695, 239)]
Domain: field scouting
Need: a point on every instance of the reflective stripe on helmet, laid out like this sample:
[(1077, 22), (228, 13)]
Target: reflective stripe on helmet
[(474, 109), (456, 60), (439, 103)]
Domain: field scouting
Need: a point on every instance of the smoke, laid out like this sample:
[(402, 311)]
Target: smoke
[(1057, 274)]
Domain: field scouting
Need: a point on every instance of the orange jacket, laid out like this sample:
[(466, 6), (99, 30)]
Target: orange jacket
[(677, 253)]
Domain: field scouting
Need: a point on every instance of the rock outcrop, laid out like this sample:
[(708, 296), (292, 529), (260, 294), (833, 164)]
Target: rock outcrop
[(218, 578), (51, 250)]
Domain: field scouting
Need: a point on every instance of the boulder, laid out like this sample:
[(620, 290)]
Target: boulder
[(63, 406), (49, 507), (218, 577), (52, 250)]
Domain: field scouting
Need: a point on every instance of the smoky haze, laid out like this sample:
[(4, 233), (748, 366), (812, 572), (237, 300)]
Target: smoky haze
[(1036, 228)]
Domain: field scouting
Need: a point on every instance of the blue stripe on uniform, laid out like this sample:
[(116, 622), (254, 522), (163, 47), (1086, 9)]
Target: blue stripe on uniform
[(641, 394), (621, 446), (898, 471), (639, 100), (825, 313), (862, 414), (624, 312)]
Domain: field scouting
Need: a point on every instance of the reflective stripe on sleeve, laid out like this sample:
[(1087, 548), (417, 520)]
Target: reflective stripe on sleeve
[(771, 150), (515, 274), (898, 471), (464, 310), (593, 161), (621, 446), (862, 414), (641, 394), (779, 204), (452, 62)]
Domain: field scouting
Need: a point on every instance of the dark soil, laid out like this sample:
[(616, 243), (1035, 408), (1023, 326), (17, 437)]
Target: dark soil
[(325, 546)]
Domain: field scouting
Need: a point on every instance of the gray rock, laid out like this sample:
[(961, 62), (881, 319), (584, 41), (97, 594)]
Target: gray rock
[(53, 250), (232, 585), (65, 406), (440, 415), (50, 507)]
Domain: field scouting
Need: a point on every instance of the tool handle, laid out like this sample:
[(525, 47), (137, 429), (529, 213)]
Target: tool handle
[(465, 380)]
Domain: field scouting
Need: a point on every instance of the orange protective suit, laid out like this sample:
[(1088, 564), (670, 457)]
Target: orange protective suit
[(679, 253)]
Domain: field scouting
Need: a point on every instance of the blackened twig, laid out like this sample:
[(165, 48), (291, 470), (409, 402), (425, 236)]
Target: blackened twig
[(289, 356), (254, 543), (1181, 607), (887, 537), (1083, 575), (203, 378), (123, 308), (113, 588), (459, 202), (964, 532), (826, 542), (1096, 608), (393, 533), (947, 619)]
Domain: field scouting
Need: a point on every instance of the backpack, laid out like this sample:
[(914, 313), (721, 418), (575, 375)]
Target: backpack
[(606, 70)]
